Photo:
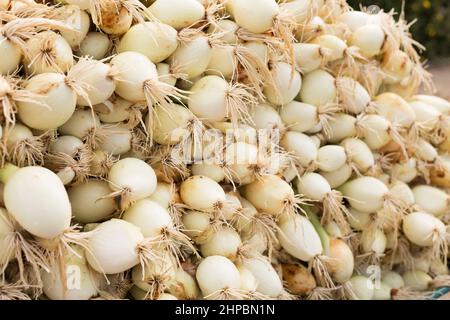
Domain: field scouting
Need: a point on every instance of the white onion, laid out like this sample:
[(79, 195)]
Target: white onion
[(416, 280), (354, 19), (438, 103), (331, 158), (431, 199), (87, 202), (265, 116), (157, 41), (423, 229), (318, 88), (46, 211), (261, 19), (299, 238), (79, 21), (299, 116), (216, 274), (184, 286), (395, 109), (309, 56), (362, 287), (202, 193), (301, 146), (393, 279), (270, 194), (359, 154), (353, 97), (369, 39), (117, 140), (81, 284), (177, 13), (286, 86), (113, 246), (81, 124), (95, 45), (269, 283), (223, 242), (53, 108), (133, 178), (192, 57), (365, 194), (339, 176)]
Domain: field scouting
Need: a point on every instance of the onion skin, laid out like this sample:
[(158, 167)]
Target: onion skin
[(299, 280)]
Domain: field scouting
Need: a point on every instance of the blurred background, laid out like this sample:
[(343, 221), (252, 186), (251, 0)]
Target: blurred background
[(432, 29)]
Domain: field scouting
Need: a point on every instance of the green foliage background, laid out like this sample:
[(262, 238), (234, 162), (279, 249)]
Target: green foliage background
[(432, 28)]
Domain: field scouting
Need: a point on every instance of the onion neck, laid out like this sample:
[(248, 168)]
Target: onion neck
[(7, 171)]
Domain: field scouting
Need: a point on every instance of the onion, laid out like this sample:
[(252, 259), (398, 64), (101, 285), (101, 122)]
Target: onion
[(79, 21), (196, 225), (212, 171), (202, 193), (358, 154), (263, 14), (316, 188), (223, 242), (318, 88), (192, 56), (265, 116), (47, 211), (248, 280), (341, 262), (165, 74), (95, 45), (354, 19), (81, 284), (338, 177), (298, 279), (393, 279), (69, 145), (425, 230), (82, 124), (396, 65), (164, 194), (117, 140), (395, 109), (373, 242), (113, 246), (132, 179), (172, 124), (155, 277), (299, 116), (53, 108), (336, 46), (362, 287), (309, 56), (416, 280), (365, 194), (48, 52), (270, 194), (331, 158), (405, 171), (222, 62), (177, 13), (403, 192), (353, 97), (341, 126), (240, 158), (226, 29), (184, 286), (269, 283), (438, 103), (431, 199), (369, 39), (157, 41), (286, 86), (382, 292), (299, 238), (137, 80), (88, 202), (214, 100), (217, 276), (301, 146)]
